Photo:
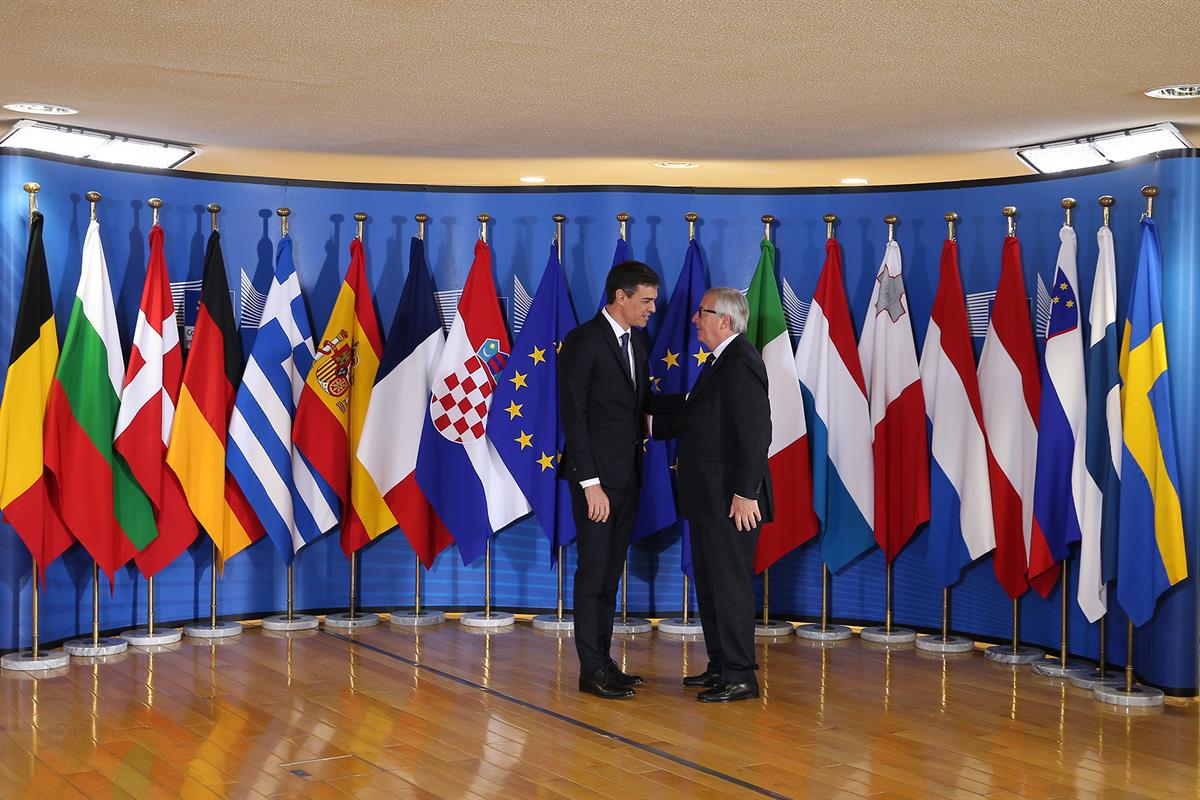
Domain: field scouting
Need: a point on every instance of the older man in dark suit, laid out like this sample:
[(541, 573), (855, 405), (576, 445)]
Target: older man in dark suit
[(724, 430), (603, 386)]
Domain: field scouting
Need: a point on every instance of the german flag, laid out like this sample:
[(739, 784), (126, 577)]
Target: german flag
[(197, 450), (23, 491)]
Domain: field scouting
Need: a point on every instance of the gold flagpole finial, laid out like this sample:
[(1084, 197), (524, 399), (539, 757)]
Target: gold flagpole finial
[(1106, 202), (213, 210), (951, 217), (1068, 203), (283, 213), (1010, 213), (623, 217), (32, 188), (559, 219), (691, 218), (421, 218), (93, 198), (483, 221), (359, 218), (891, 220), (830, 219), (767, 219), (1149, 192), (155, 204)]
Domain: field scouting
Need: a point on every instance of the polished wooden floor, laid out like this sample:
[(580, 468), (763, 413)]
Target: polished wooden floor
[(449, 713)]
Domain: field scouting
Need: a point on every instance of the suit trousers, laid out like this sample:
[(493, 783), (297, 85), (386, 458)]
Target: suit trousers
[(601, 557), (723, 559)]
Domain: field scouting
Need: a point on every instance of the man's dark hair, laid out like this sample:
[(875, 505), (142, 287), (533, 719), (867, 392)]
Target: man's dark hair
[(627, 276)]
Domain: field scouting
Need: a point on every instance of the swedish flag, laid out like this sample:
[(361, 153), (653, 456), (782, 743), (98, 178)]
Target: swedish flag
[(1150, 548)]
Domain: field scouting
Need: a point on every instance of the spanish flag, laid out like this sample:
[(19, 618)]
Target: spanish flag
[(23, 491), (333, 405), (197, 450)]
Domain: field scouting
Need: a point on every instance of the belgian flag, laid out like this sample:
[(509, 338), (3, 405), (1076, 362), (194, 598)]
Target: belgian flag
[(23, 491), (196, 453)]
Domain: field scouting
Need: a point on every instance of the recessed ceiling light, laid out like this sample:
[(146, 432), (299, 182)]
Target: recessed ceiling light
[(1103, 148), (533, 179), (854, 181), (63, 140), (49, 109), (677, 164), (1179, 91)]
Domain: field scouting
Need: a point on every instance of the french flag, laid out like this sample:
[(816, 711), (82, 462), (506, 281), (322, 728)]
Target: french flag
[(839, 420), (900, 447), (961, 528), (392, 430), (458, 468), (1008, 383)]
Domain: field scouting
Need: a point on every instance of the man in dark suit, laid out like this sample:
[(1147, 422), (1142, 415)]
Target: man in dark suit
[(603, 387), (724, 430)]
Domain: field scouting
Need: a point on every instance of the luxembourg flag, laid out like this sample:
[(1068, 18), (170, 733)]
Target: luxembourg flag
[(1008, 383), (458, 467), (899, 444), (839, 420), (961, 528)]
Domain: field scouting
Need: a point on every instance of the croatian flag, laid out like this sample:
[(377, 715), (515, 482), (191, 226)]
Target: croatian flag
[(1008, 383), (839, 420), (900, 447), (458, 467), (961, 528)]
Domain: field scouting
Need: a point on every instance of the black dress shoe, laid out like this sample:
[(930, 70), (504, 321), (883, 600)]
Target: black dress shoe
[(621, 678), (729, 692), (705, 680), (602, 685)]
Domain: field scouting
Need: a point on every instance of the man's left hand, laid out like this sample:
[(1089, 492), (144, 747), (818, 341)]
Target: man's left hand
[(745, 513)]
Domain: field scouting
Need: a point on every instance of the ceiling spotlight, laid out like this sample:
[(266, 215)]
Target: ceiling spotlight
[(533, 179), (1179, 91), (63, 140), (1102, 149), (677, 164), (49, 109), (854, 181)]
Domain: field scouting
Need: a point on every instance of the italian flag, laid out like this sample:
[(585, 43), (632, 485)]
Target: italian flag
[(97, 497), (795, 520)]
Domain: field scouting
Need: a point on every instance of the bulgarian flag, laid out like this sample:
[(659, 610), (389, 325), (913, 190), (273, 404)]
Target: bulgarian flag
[(97, 496), (148, 400), (791, 474), (333, 406)]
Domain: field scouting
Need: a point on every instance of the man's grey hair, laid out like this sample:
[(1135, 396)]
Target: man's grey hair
[(729, 302)]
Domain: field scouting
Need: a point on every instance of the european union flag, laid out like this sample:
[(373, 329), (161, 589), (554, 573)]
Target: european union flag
[(524, 426), (675, 363)]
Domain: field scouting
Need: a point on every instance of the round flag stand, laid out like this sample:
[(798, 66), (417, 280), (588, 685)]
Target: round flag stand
[(149, 636), (349, 620), (682, 625), (824, 632), (770, 629), (885, 633), (1129, 694), (1014, 653), (488, 619), (946, 643), (626, 624), (291, 621), (214, 629), (1063, 666), (417, 617), (1100, 676), (95, 645), (556, 621), (34, 659)]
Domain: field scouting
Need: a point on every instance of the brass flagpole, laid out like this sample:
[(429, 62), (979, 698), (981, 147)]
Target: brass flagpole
[(487, 619), (682, 625), (825, 632), (417, 616)]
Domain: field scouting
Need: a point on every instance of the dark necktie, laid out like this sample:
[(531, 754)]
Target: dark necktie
[(625, 352)]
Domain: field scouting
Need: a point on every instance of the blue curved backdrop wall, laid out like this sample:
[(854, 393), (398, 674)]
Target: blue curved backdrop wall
[(728, 231)]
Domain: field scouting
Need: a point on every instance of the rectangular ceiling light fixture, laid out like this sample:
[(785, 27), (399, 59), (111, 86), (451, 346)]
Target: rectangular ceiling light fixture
[(1103, 148), (111, 148)]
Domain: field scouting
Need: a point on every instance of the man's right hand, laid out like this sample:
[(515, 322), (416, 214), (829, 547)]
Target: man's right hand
[(597, 503)]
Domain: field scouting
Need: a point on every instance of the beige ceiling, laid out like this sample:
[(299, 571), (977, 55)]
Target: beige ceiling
[(762, 94)]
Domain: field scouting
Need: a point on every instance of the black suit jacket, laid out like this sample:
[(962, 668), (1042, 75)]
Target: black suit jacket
[(724, 433), (600, 406)]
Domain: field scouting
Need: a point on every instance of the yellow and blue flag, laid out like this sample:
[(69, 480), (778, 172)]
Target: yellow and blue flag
[(1150, 546)]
